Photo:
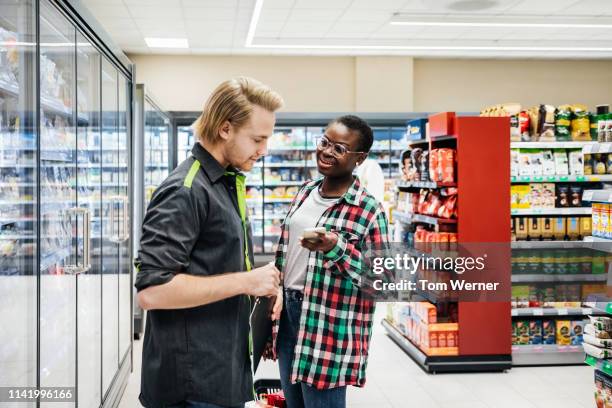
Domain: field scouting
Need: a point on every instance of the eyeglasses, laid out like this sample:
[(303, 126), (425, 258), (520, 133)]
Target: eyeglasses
[(338, 150)]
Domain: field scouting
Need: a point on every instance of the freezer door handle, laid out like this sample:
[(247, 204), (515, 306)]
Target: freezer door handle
[(119, 227), (125, 233), (81, 261)]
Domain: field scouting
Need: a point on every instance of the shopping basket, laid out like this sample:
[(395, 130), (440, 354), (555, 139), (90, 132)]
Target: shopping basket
[(267, 388)]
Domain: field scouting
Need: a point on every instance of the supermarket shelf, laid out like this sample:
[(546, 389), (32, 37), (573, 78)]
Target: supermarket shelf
[(46, 103), (298, 164), (547, 244), (598, 239), (443, 138), (598, 196), (447, 364), (269, 200), (562, 179), (599, 364), (388, 161), (552, 211), (552, 311), (528, 278), (408, 218), (268, 217), (546, 354), (288, 149), (54, 258), (597, 148), (550, 145), (274, 183), (422, 184), (417, 142)]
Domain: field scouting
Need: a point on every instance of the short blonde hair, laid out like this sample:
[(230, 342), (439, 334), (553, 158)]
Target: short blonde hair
[(233, 101)]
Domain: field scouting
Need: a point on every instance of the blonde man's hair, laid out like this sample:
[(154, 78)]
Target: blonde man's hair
[(233, 101)]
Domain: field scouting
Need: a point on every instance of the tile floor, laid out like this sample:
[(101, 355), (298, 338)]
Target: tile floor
[(395, 381)]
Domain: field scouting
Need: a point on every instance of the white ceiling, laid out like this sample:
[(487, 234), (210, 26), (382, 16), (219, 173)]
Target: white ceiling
[(352, 27)]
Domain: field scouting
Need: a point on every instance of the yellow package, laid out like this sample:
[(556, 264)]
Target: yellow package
[(604, 219), (521, 228), (585, 227), (534, 228), (563, 332), (573, 227), (547, 225), (581, 125), (559, 228), (596, 220)]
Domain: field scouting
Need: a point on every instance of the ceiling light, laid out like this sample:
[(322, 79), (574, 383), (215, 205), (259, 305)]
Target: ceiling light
[(254, 21), (167, 42), (431, 47), (498, 22)]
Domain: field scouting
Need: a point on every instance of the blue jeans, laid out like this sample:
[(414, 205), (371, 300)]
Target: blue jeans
[(300, 395), (194, 404)]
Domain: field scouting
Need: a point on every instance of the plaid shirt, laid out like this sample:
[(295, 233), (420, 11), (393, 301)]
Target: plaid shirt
[(336, 319)]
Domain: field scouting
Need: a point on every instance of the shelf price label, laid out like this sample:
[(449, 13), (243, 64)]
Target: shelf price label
[(563, 312), (587, 196), (605, 147), (538, 312)]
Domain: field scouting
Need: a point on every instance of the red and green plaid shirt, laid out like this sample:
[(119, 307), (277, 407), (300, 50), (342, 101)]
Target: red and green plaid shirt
[(336, 318)]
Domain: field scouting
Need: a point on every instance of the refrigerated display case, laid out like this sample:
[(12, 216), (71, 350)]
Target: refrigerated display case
[(274, 181), (65, 139), (153, 147)]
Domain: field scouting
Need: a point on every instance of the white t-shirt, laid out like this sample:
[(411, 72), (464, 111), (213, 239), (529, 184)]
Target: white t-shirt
[(372, 178), (304, 217)]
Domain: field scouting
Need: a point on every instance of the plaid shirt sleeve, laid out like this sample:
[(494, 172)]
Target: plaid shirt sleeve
[(346, 259)]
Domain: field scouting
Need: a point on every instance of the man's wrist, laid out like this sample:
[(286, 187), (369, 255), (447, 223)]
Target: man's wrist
[(244, 282)]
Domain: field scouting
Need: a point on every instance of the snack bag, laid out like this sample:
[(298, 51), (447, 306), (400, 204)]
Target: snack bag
[(563, 122), (446, 165), (433, 165), (581, 125)]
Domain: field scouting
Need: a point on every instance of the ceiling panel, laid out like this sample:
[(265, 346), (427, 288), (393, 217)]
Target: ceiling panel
[(108, 10), (222, 25), (591, 7), (156, 12), (314, 15), (210, 3), (321, 4), (541, 7)]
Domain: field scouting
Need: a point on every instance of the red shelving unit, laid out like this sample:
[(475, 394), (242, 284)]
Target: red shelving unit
[(483, 173)]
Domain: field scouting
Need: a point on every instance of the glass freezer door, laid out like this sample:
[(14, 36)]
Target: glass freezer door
[(58, 218), (89, 297), (111, 223), (123, 217), (18, 158), (156, 139)]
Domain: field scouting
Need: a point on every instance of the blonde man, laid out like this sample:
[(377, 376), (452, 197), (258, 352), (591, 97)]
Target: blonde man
[(195, 259)]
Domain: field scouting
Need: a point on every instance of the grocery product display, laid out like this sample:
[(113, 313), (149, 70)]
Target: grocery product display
[(597, 345), (65, 201), (291, 160), (157, 142), (433, 330), (151, 161), (549, 123), (553, 164), (442, 334)]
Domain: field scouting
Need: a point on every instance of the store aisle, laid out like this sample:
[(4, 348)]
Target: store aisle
[(395, 381)]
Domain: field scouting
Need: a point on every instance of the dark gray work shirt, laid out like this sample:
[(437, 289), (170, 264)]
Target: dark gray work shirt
[(199, 354)]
